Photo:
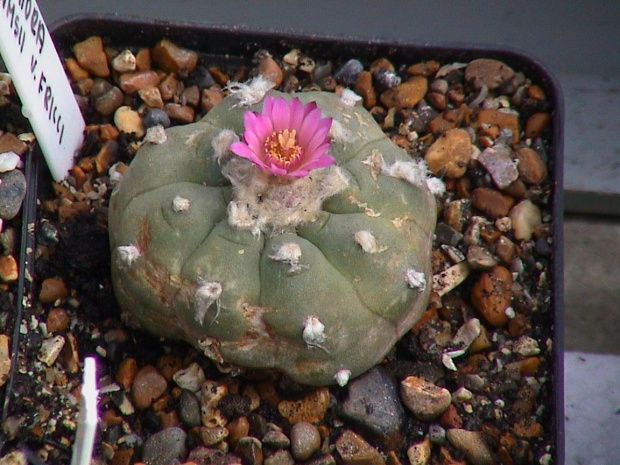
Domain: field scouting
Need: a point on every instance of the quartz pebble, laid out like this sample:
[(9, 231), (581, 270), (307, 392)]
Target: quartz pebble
[(311, 408), (450, 153), (497, 160), (52, 289), (277, 439), (472, 445), (425, 400), (173, 59), (419, 453), (492, 294), (488, 72), (133, 82), (480, 258), (212, 435), (353, 449), (151, 96), (372, 402), (129, 121), (525, 217), (12, 193), (147, 386), (91, 57), (190, 378), (9, 270), (491, 202), (50, 349), (165, 447), (5, 359), (405, 95), (532, 168), (124, 62), (8, 161), (280, 457), (305, 440)]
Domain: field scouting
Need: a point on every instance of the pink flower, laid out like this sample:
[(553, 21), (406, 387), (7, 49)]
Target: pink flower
[(287, 139)]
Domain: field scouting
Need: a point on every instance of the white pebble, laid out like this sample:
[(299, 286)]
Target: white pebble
[(8, 161), (342, 377), (190, 378)]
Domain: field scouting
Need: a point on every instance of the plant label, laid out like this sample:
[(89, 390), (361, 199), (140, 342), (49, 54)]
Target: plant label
[(39, 78)]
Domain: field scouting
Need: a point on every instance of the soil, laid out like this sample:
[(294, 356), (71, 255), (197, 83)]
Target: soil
[(502, 386)]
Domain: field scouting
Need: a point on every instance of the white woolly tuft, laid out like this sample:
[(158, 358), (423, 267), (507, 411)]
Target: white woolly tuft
[(252, 91), (180, 204), (349, 98), (221, 144), (342, 377), (340, 134), (127, 255), (368, 242), (206, 295), (314, 332), (289, 253), (415, 279), (156, 135), (436, 186), (415, 173)]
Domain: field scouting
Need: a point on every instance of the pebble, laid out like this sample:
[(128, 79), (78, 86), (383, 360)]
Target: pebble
[(528, 429), (450, 278), (212, 436), (305, 440), (480, 258), (90, 56), (210, 97), (424, 68), (8, 161), (450, 153), (280, 457), (9, 270), (372, 403), (189, 408), (349, 72), (270, 70), (126, 372), (354, 450), (52, 289), (311, 408), (472, 445), (154, 117), (492, 295), (9, 142), (425, 400), (405, 95), (250, 450), (365, 89), (108, 102), (491, 202), (191, 96), (16, 457), (5, 359), (276, 439), (535, 124), (237, 429), (497, 160), (525, 217), (451, 418), (201, 77), (526, 346), (180, 113), (12, 193), (168, 87), (503, 119), (50, 349), (148, 385), (165, 447), (532, 168), (190, 378), (488, 72), (133, 82), (419, 453), (456, 214), (210, 395), (129, 121), (174, 59), (124, 62), (437, 433), (57, 320)]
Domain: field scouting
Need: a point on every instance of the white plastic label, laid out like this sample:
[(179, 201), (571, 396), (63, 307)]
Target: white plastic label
[(37, 73)]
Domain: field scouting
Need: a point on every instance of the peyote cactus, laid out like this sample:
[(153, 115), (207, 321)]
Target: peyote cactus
[(315, 272)]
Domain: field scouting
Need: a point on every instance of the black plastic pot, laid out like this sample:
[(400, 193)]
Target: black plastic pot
[(237, 45)]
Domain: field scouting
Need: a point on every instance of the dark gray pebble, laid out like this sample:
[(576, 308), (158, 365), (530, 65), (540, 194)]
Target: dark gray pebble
[(154, 117), (374, 404), (189, 408), (347, 74), (200, 77), (12, 192), (165, 447)]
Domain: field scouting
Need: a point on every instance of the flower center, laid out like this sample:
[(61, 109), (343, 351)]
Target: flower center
[(281, 147)]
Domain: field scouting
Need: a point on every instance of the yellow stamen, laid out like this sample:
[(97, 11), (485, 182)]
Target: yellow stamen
[(282, 147)]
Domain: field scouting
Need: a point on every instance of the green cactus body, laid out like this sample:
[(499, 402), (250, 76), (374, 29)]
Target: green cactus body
[(321, 293)]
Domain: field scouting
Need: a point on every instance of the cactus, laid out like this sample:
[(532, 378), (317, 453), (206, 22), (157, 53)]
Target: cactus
[(316, 276)]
